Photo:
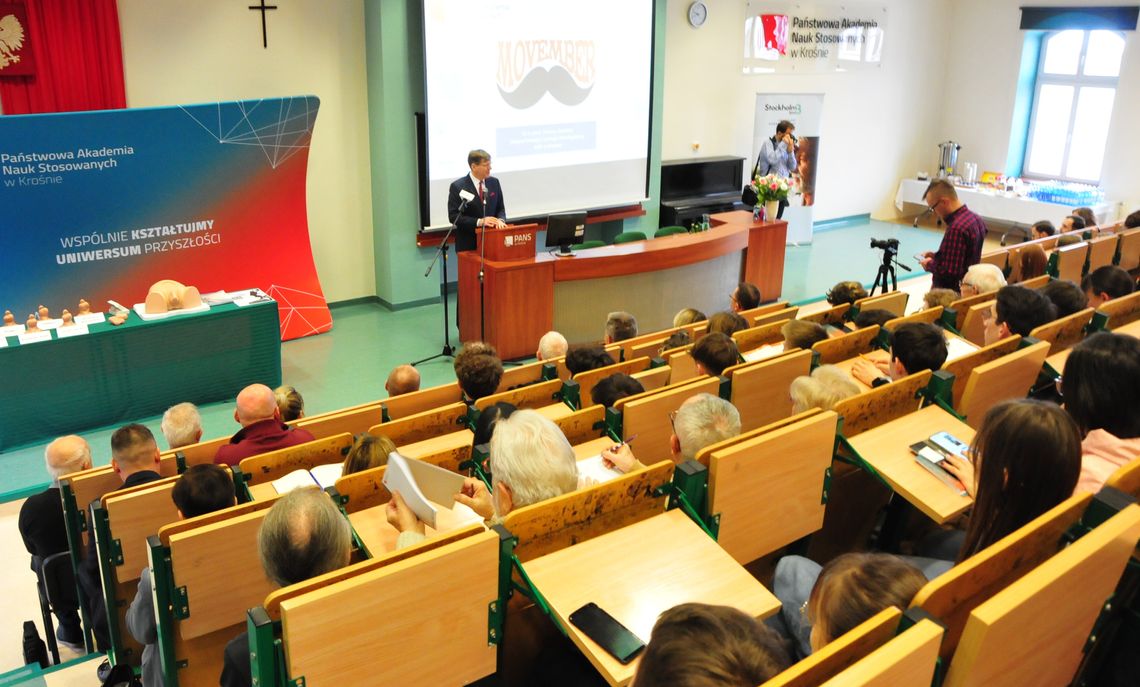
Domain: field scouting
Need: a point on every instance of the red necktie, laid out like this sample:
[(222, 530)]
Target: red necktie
[(480, 191)]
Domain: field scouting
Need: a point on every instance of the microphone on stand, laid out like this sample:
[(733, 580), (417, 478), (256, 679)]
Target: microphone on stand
[(465, 196), (925, 212)]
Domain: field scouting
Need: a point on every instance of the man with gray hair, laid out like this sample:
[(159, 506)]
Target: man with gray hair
[(701, 421), (302, 536), (261, 427), (182, 425), (552, 345), (42, 525), (981, 278), (530, 461), (620, 326), (403, 379)]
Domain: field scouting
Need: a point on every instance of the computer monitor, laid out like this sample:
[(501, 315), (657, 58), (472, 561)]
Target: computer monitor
[(565, 230)]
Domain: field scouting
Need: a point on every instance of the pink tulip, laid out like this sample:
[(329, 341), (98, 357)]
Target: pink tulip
[(773, 186)]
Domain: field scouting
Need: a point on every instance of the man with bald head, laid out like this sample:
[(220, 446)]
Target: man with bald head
[(261, 427), (42, 526), (404, 379), (552, 345)]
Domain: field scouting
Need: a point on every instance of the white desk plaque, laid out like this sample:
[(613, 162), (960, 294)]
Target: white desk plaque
[(12, 330), (75, 330), (34, 337), (3, 342), (90, 318), (49, 324)]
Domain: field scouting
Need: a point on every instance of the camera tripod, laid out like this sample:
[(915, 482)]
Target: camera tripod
[(887, 271)]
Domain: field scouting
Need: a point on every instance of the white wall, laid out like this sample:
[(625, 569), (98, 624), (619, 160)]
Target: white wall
[(980, 82), (878, 125), (190, 51)]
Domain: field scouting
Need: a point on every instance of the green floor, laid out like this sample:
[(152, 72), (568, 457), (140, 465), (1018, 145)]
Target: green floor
[(349, 365)]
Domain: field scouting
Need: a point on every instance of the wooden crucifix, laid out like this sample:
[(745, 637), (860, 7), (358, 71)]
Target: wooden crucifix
[(263, 8)]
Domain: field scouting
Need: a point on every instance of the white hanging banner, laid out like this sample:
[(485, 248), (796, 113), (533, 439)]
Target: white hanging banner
[(804, 111), (812, 37)]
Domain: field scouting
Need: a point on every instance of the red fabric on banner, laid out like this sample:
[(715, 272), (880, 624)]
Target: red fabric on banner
[(78, 58)]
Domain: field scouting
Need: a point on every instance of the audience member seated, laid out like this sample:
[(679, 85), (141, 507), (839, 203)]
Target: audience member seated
[(478, 370), (702, 420), (1026, 458), (1087, 215), (1042, 229), (42, 526), (530, 461), (1017, 310), (200, 490), (699, 645), (1132, 221), (745, 297), (727, 323), (843, 594), (1101, 388), (367, 451), (802, 334), (688, 316), (936, 298), (290, 403), (1066, 296), (1072, 223), (1067, 240), (552, 345), (868, 318), (1105, 283), (1033, 262), (181, 425), (303, 535), (826, 386), (981, 278), (715, 353), (261, 427), (612, 389), (134, 457), (585, 357), (403, 379), (485, 425), (676, 340), (915, 346), (620, 326), (846, 292)]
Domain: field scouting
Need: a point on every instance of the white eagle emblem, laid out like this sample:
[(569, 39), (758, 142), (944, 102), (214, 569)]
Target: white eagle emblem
[(11, 40)]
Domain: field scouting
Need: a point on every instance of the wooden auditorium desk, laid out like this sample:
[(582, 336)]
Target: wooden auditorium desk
[(529, 291)]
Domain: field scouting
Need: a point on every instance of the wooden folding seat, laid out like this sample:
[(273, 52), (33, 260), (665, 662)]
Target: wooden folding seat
[(760, 335), (206, 574), (834, 315), (999, 258), (760, 389), (962, 367), (1064, 332), (1035, 631), (877, 406), (1071, 262), (531, 396), (973, 327), (1121, 311), (1010, 376), (586, 380), (847, 346), (761, 310), (413, 619), (1127, 478), (1102, 251), (961, 306), (257, 473), (646, 416), (774, 316), (874, 653), (894, 302), (928, 316), (654, 377), (1129, 250), (751, 527), (650, 345)]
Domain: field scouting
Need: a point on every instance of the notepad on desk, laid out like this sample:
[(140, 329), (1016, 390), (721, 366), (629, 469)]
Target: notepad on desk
[(763, 353), (323, 476), (957, 347), (593, 470)]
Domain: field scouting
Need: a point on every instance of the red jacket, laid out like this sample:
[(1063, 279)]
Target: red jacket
[(262, 436)]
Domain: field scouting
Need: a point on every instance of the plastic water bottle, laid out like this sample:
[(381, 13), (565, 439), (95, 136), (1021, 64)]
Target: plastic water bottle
[(756, 212)]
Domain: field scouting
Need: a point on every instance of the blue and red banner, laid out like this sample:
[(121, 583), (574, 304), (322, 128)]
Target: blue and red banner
[(100, 205)]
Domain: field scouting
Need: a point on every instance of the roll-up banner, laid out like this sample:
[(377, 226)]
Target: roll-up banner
[(100, 205), (804, 111)]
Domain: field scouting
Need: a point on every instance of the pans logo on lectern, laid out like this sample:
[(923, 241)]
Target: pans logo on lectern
[(530, 69)]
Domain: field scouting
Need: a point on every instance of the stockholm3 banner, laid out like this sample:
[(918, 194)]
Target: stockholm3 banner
[(100, 205)]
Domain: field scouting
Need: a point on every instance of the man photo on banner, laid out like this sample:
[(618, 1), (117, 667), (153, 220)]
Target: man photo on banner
[(778, 156), (484, 198)]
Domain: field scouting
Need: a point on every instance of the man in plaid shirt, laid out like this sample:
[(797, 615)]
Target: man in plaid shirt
[(962, 242)]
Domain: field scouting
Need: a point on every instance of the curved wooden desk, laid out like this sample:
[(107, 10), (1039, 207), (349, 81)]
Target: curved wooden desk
[(529, 292)]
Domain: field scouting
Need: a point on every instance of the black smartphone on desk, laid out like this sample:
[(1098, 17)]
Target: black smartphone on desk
[(607, 632)]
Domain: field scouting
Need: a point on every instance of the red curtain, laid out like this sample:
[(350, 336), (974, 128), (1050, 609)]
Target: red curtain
[(79, 59)]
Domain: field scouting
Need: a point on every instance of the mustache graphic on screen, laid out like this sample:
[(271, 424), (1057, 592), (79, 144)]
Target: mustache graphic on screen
[(539, 81)]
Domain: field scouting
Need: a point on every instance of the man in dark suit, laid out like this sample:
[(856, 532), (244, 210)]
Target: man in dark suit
[(486, 206), (42, 526)]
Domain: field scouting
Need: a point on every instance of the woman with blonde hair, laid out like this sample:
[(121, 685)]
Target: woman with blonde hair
[(367, 451), (824, 388)]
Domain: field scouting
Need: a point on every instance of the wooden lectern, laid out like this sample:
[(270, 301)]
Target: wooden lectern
[(517, 300)]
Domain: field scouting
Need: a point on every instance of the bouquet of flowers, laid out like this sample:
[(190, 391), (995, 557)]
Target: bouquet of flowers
[(771, 187)]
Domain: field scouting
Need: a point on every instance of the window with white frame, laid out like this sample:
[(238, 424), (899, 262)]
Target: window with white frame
[(1076, 85)]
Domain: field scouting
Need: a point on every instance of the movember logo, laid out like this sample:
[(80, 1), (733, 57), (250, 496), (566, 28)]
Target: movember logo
[(529, 70)]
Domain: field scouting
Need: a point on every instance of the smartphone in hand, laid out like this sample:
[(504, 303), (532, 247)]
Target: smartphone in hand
[(931, 460)]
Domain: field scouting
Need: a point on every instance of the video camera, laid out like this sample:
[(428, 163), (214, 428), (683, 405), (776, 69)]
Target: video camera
[(891, 245)]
